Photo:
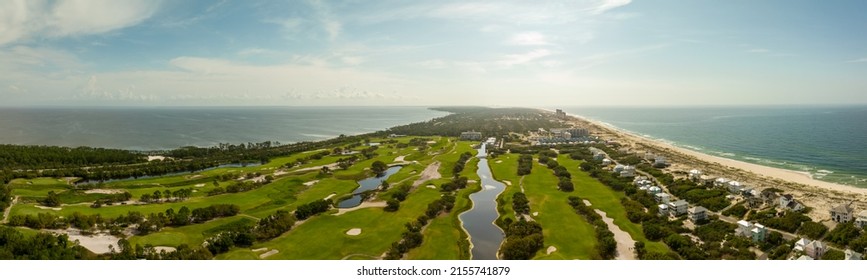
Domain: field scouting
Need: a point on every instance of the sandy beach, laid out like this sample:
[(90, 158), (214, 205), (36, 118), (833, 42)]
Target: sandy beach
[(819, 195)]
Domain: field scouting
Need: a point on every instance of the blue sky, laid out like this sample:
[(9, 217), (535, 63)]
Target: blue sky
[(495, 53)]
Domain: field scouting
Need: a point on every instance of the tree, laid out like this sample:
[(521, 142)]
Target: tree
[(52, 200), (392, 205), (379, 168)]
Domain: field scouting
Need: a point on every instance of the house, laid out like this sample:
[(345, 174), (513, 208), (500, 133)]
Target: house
[(720, 182), (801, 245), (660, 162), (769, 196), (697, 214), (861, 220), (618, 168), (599, 156), (759, 232), (788, 202), (695, 175), (471, 135), (606, 161), (649, 156), (628, 171), (654, 190), (852, 255), (734, 186), (662, 197), (678, 208), (815, 249), (805, 258), (663, 209), (842, 213)]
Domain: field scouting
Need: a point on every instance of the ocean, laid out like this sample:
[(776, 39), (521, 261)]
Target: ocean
[(146, 129), (828, 142)]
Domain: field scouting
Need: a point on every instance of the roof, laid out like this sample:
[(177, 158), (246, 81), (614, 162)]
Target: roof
[(663, 206), (863, 213), (697, 209), (805, 258), (679, 203), (744, 223), (843, 208), (662, 194)]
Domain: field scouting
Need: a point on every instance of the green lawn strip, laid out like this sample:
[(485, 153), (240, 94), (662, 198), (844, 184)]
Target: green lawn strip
[(192, 235), (324, 236), (506, 170), (36, 191), (607, 200), (562, 228), (444, 238), (448, 160)]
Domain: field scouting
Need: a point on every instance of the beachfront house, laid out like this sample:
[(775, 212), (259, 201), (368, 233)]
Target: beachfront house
[(734, 187), (842, 213), (471, 135), (720, 182), (678, 208), (861, 220), (757, 232), (654, 190), (852, 255), (697, 214), (801, 245), (618, 168), (660, 162), (695, 175), (662, 197), (606, 162), (787, 202), (628, 171), (663, 210)]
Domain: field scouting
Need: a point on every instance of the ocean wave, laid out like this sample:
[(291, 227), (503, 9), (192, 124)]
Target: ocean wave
[(318, 135), (823, 171), (726, 154), (692, 147)]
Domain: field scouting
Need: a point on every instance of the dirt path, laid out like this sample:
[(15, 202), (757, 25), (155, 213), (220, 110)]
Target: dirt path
[(625, 244), (430, 172), (9, 209)]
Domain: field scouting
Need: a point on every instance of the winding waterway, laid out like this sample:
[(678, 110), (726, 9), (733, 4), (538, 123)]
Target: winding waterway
[(485, 237)]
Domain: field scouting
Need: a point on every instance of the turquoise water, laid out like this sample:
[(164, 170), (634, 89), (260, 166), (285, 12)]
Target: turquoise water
[(828, 142), (169, 128)]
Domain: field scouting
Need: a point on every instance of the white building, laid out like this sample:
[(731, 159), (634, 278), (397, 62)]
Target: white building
[(606, 161), (660, 161), (861, 219), (787, 202), (471, 135), (654, 190), (662, 197), (695, 175), (720, 182), (757, 232), (628, 171), (852, 255), (734, 186), (697, 214), (618, 168), (842, 213), (678, 208), (663, 209)]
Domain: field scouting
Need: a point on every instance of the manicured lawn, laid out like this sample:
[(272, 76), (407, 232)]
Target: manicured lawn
[(193, 235), (505, 168), (607, 200)]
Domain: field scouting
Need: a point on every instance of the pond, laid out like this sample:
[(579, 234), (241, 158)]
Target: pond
[(366, 185)]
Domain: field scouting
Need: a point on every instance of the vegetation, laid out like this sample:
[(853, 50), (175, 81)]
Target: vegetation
[(525, 165), (606, 246), (40, 246), (523, 239)]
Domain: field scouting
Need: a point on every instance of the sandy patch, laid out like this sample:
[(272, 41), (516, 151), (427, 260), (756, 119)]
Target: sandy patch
[(165, 248), (430, 172), (551, 249), (263, 249), (200, 185), (625, 244), (399, 159), (280, 172), (47, 208), (354, 231), (366, 204), (330, 196), (499, 161), (97, 243), (535, 214), (472, 181), (195, 176), (311, 183), (507, 182), (587, 202), (431, 142), (431, 187), (153, 158), (104, 191), (259, 179), (268, 254)]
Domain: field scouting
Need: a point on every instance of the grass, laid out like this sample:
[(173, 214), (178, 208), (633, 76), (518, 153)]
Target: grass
[(193, 235), (562, 228), (607, 200)]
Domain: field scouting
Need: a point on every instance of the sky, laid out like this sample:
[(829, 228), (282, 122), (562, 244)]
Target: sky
[(489, 53)]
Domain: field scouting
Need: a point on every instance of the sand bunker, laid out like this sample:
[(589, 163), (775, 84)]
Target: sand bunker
[(551, 249), (431, 186), (399, 159), (280, 172), (535, 214), (165, 248), (47, 208), (472, 181), (625, 243), (354, 231), (587, 202), (430, 172), (499, 161), (97, 243), (268, 254), (311, 183), (103, 191), (507, 182), (263, 249), (200, 185), (330, 196), (366, 204), (153, 158)]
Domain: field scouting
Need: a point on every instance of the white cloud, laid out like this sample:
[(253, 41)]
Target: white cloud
[(529, 38), (516, 59), (606, 5), (21, 20)]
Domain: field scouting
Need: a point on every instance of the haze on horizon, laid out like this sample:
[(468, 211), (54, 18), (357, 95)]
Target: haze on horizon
[(501, 53)]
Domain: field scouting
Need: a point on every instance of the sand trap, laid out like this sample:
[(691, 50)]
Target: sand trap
[(195, 176), (97, 243), (399, 159), (263, 249), (499, 161), (472, 181), (104, 191), (200, 185), (625, 244), (311, 183), (430, 172), (330, 196), (431, 142), (280, 172), (551, 249), (431, 187), (153, 158), (165, 248), (259, 179), (587, 202), (268, 254), (507, 182), (535, 214), (354, 231), (48, 208), (366, 204)]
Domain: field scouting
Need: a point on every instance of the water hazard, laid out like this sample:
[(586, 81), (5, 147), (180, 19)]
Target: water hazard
[(366, 185), (485, 237)]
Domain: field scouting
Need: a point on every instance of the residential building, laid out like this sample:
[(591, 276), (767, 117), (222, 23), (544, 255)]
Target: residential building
[(628, 171), (801, 244), (663, 209), (734, 187), (618, 168), (759, 232), (787, 202), (815, 249), (852, 255), (660, 162), (744, 228), (599, 156), (662, 197), (842, 213), (697, 214), (606, 161), (720, 182), (654, 190), (678, 208), (471, 135), (805, 258), (695, 175), (861, 220)]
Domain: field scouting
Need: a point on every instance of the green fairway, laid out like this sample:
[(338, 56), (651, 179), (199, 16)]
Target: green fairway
[(607, 200), (193, 235)]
